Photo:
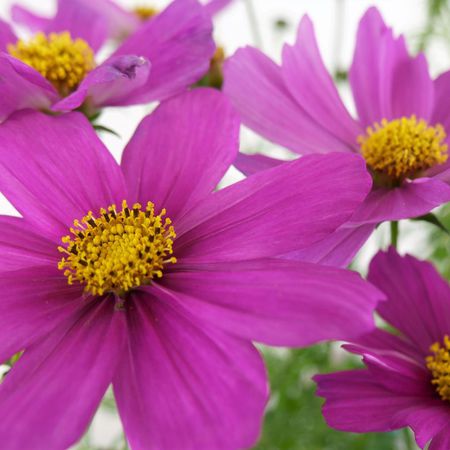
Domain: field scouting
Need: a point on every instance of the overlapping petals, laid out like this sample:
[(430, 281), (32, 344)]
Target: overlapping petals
[(177, 351)]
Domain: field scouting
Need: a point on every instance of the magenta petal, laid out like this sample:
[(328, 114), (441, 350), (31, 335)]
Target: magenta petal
[(181, 151), (356, 403), (25, 17), (182, 386), (338, 249), (212, 7), (251, 164), (108, 84), (54, 389), (34, 301), (411, 199), (277, 302), (441, 112), (68, 172), (179, 46), (22, 87), (21, 247), (255, 86), (442, 440), (275, 211), (7, 35), (418, 298), (309, 82)]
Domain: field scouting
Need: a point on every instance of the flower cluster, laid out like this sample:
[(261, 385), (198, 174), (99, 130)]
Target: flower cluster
[(146, 276)]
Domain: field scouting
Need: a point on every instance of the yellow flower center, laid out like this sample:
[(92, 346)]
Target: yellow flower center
[(403, 148), (57, 57), (145, 12), (439, 366), (119, 250)]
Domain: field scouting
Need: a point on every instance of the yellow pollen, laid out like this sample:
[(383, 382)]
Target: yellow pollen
[(57, 57), (119, 250), (145, 12), (439, 366), (403, 148)]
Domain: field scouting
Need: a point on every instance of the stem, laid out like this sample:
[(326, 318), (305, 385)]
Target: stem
[(409, 441), (338, 36), (394, 233), (251, 14)]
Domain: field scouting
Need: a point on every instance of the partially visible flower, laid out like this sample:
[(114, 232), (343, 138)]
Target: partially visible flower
[(56, 70), (141, 275), (406, 381), (402, 130), (118, 21)]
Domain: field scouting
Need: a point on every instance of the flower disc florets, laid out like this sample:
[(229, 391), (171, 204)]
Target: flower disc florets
[(145, 12), (403, 148), (439, 366), (119, 250), (57, 57)]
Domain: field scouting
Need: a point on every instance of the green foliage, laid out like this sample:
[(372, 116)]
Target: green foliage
[(439, 241)]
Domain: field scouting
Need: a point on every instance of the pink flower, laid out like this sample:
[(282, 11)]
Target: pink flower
[(406, 380), (165, 310), (402, 129), (56, 70)]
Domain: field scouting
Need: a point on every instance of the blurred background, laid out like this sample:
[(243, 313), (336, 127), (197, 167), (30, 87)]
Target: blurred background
[(293, 420)]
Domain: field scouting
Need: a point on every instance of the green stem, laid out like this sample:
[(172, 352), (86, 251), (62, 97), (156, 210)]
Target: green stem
[(409, 440), (394, 233)]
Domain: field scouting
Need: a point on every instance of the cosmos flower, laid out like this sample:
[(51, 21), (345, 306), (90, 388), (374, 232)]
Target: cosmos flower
[(116, 21), (402, 129), (57, 70), (406, 381), (141, 275)]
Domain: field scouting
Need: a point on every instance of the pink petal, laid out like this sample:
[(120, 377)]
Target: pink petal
[(180, 385), (251, 164), (7, 35), (56, 170), (21, 246), (309, 82), (179, 46), (256, 88), (54, 389), (34, 301), (108, 84), (180, 152), (276, 302), (213, 7), (418, 298), (275, 211), (27, 18), (441, 112)]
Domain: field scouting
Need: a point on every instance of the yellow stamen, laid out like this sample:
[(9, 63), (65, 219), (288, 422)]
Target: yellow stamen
[(145, 12), (439, 366), (57, 57), (403, 148), (119, 250)]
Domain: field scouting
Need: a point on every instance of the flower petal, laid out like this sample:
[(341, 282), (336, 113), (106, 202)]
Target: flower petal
[(276, 302), (55, 170), (27, 18), (251, 164), (213, 7), (275, 211), (21, 246), (184, 386), (255, 86), (180, 152), (418, 298), (54, 389), (34, 301), (411, 199), (356, 403), (441, 112), (7, 35), (179, 46), (108, 84), (22, 87), (309, 82)]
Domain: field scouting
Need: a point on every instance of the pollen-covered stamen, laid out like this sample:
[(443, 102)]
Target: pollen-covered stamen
[(60, 59), (439, 366), (145, 12), (403, 148), (119, 250)]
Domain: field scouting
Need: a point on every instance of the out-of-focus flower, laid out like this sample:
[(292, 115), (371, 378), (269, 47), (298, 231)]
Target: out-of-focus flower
[(407, 377), (56, 69), (118, 21), (402, 130), (160, 284)]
